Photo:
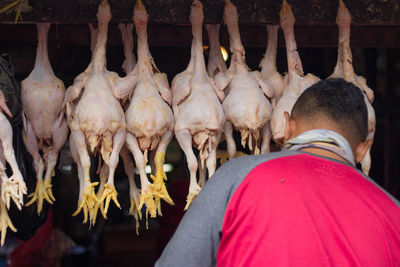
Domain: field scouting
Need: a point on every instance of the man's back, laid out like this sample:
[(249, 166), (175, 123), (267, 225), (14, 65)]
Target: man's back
[(304, 210), (287, 209)]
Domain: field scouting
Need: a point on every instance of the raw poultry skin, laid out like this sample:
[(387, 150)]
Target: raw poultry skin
[(198, 113), (246, 106), (44, 135), (149, 119), (295, 81), (96, 119), (344, 69), (11, 187)]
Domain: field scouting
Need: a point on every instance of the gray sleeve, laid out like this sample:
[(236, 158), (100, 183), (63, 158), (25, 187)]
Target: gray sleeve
[(197, 237)]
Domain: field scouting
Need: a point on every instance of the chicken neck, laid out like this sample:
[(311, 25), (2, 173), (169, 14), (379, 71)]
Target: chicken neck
[(343, 21), (269, 63), (42, 58), (140, 18), (231, 20), (213, 35), (128, 48), (287, 21), (99, 55), (196, 18)]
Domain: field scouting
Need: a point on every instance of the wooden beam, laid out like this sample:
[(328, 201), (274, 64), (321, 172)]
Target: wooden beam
[(181, 36), (253, 12)]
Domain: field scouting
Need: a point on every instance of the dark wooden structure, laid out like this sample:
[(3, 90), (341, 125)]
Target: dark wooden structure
[(375, 37), (375, 22), (252, 12)]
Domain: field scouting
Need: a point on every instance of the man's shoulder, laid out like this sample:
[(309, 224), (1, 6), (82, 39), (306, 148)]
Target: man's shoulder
[(248, 163), (232, 173)]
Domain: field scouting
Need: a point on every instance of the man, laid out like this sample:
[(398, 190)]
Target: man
[(306, 206)]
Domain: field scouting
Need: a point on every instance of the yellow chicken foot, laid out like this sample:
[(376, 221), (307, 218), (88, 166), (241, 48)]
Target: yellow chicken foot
[(5, 222), (49, 186), (223, 155), (108, 194), (189, 199), (134, 208), (157, 201), (146, 198), (158, 187), (194, 190), (135, 212), (99, 204), (41, 192), (88, 202), (13, 189)]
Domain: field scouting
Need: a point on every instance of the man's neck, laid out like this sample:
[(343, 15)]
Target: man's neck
[(324, 153)]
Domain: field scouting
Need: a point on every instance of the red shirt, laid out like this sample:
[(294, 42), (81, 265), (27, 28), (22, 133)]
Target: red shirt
[(309, 211)]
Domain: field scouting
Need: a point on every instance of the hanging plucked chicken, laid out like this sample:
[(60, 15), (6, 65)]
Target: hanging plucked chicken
[(96, 118), (198, 113), (44, 134), (149, 119)]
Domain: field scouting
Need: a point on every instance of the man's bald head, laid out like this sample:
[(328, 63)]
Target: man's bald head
[(337, 102)]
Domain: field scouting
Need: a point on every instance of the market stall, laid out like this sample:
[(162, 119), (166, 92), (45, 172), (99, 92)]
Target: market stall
[(163, 44)]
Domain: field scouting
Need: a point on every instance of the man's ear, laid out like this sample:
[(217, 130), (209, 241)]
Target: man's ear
[(290, 126), (361, 149)]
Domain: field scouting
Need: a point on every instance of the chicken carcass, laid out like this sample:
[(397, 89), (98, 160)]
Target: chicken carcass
[(96, 118), (44, 135), (11, 187), (269, 73), (216, 61), (344, 69), (198, 113), (149, 119), (246, 106), (295, 81)]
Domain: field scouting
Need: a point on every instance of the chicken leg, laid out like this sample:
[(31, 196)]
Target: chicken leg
[(134, 192), (14, 187), (87, 196)]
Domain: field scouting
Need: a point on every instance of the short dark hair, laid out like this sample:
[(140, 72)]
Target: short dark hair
[(337, 100)]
